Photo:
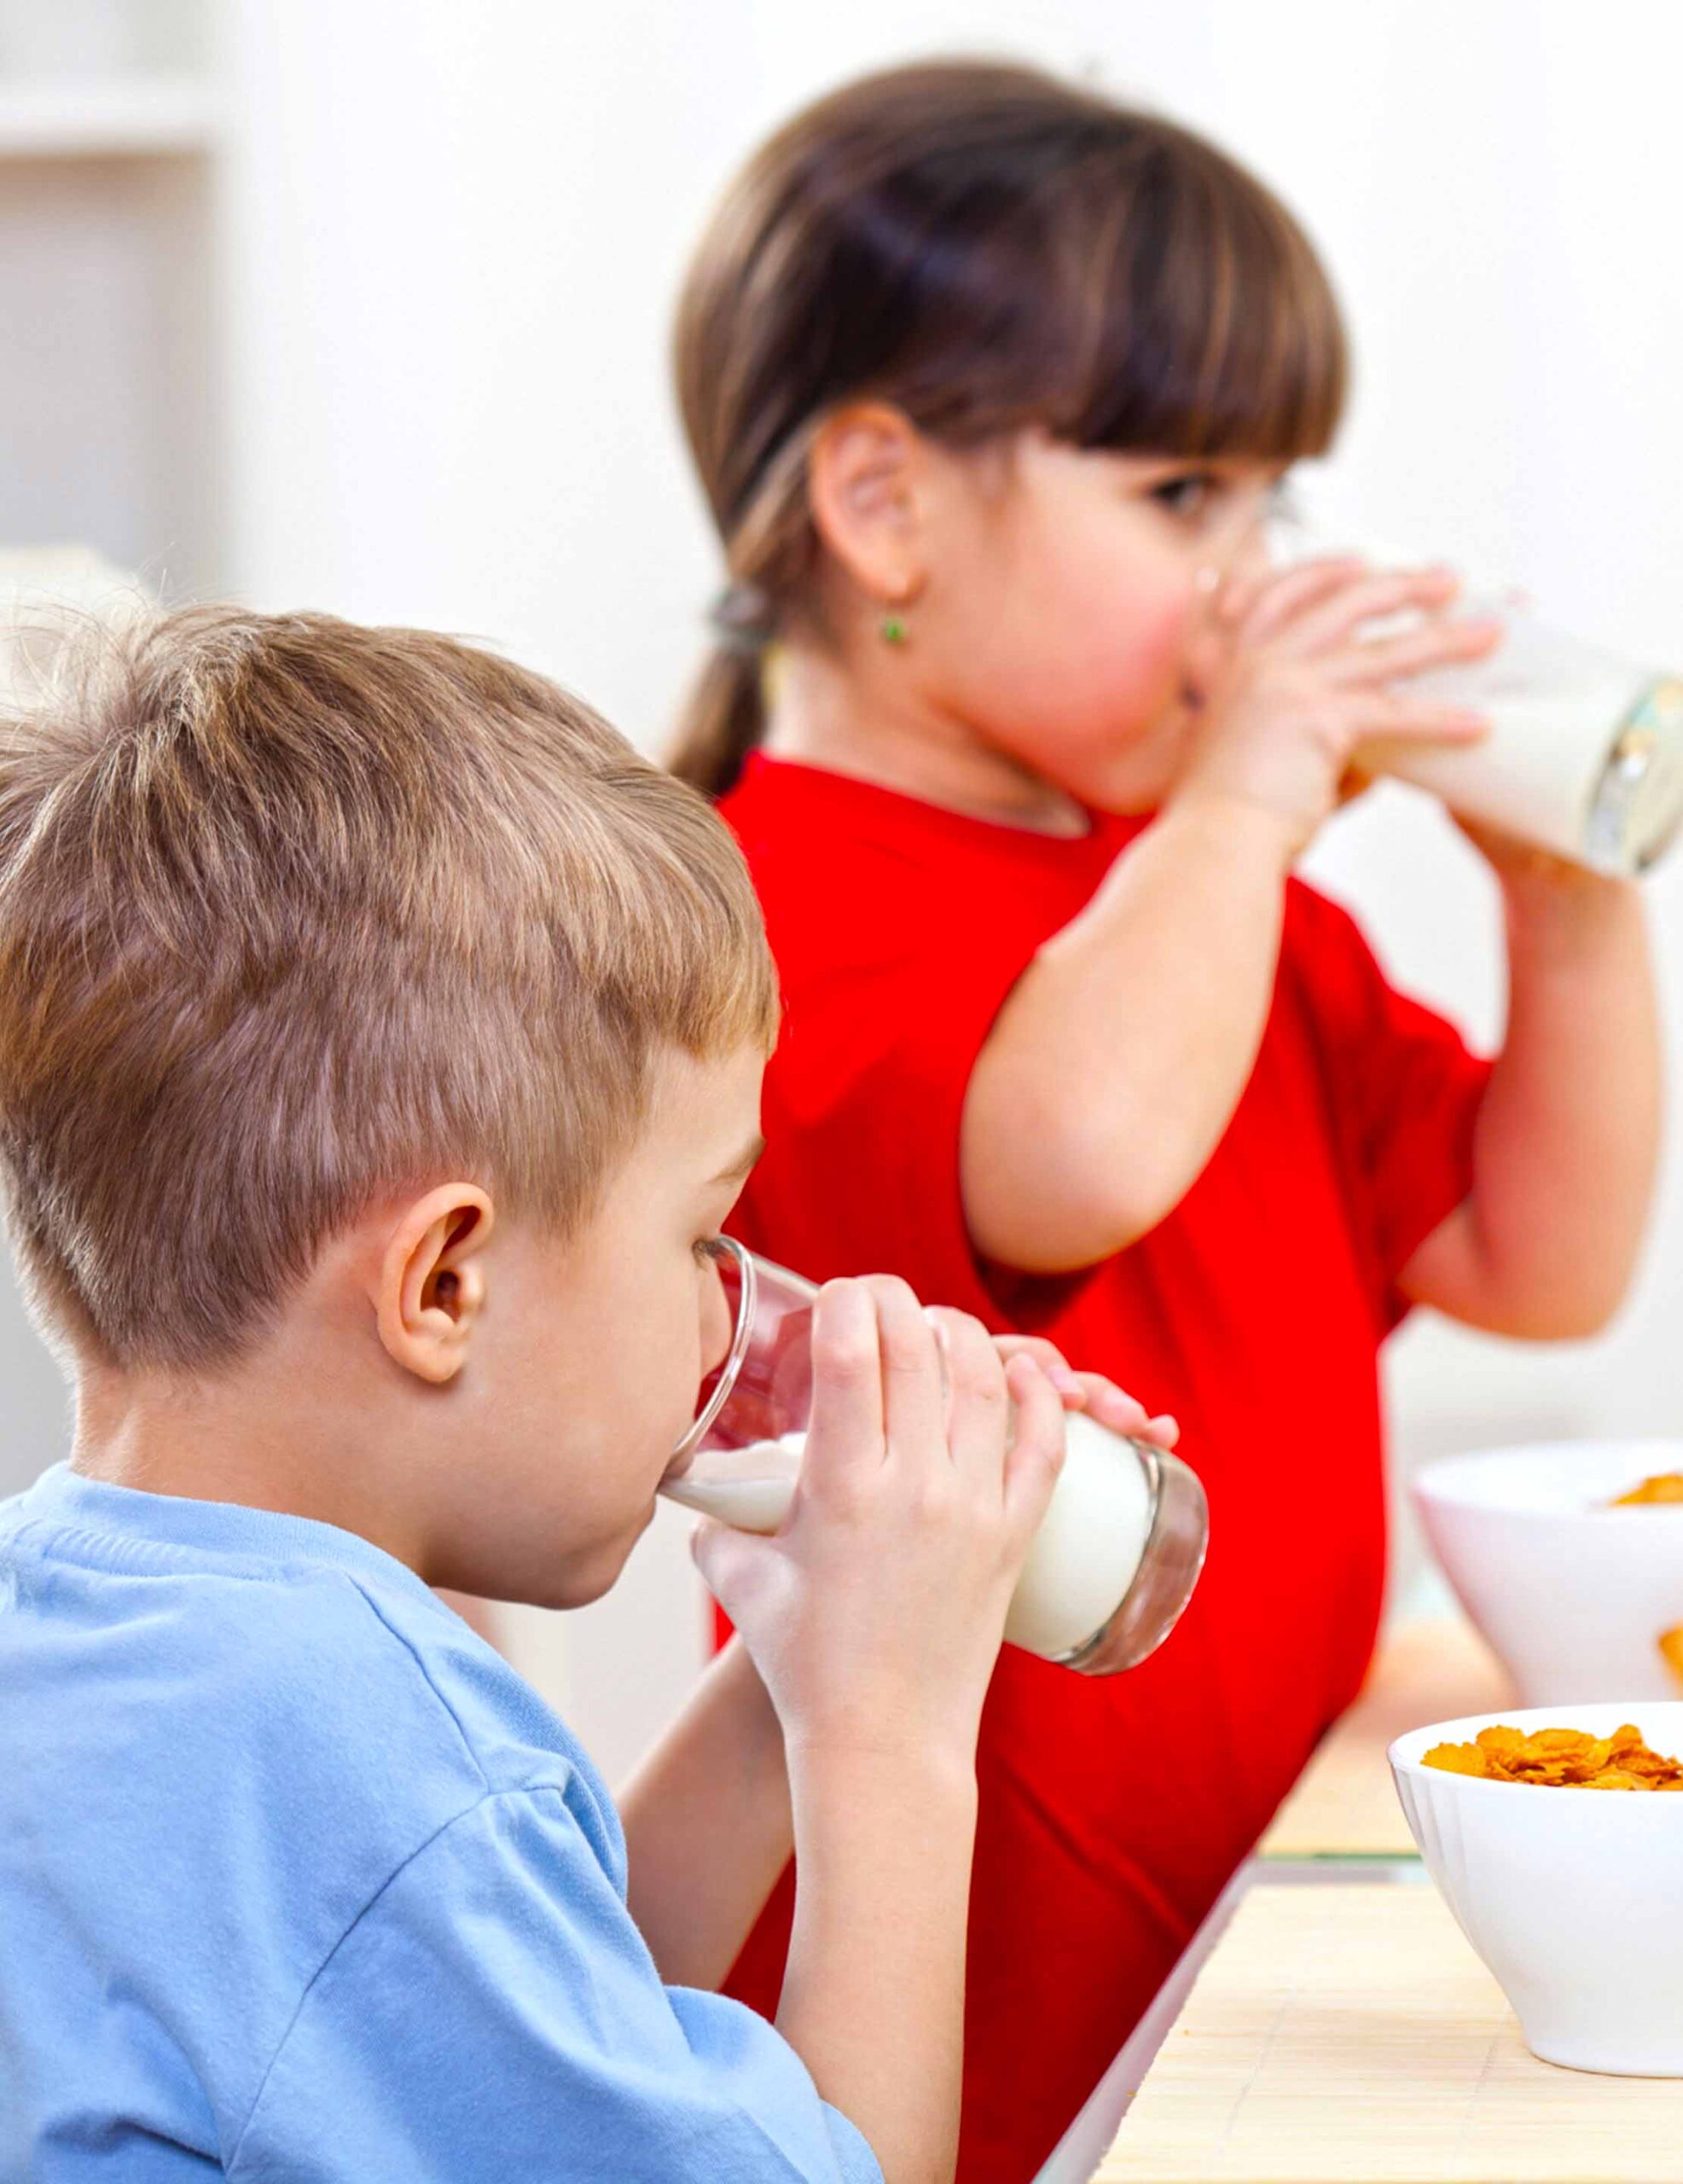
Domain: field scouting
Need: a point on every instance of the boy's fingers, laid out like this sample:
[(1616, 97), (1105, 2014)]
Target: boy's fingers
[(914, 1392), (1113, 1406), (1046, 1355), (845, 1434), (730, 1562), (978, 1410), (1037, 1452)]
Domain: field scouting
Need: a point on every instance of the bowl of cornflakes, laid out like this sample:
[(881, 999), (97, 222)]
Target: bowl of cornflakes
[(1556, 1836), (1569, 1556)]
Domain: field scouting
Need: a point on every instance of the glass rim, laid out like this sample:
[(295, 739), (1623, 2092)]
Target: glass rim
[(730, 1371)]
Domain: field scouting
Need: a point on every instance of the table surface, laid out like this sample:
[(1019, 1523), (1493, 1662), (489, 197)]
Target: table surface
[(1345, 1805), (1348, 2034)]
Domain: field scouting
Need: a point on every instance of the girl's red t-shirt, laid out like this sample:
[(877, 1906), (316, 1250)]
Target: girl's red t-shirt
[(1113, 1810)]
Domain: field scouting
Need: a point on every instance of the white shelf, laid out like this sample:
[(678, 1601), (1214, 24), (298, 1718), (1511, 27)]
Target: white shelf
[(122, 118)]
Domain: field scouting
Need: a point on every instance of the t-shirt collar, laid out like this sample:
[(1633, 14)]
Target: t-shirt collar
[(67, 1497)]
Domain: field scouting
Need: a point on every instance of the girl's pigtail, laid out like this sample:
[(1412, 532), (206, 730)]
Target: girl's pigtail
[(723, 719)]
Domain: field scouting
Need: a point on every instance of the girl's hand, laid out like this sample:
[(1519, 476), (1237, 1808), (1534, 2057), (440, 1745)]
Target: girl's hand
[(1302, 689), (876, 1614), (1101, 1399)]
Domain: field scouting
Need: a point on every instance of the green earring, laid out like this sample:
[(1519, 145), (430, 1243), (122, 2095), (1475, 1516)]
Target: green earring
[(892, 629)]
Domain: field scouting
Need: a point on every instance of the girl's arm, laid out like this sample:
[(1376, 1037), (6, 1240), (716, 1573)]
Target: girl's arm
[(1115, 1065), (1567, 1135), (707, 1823)]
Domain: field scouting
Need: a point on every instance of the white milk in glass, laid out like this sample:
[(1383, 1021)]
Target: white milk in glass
[(1584, 755), (1080, 1564), (1585, 751)]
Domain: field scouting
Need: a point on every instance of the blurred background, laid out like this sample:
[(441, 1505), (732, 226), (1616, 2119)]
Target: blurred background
[(362, 306)]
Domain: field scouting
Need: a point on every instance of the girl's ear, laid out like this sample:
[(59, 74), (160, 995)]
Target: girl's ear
[(868, 478), (430, 1284)]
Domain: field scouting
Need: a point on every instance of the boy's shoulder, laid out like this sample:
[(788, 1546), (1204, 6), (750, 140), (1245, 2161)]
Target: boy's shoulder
[(244, 1732), (286, 1664)]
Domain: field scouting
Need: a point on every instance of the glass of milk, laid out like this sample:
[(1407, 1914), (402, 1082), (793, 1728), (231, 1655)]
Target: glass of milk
[(1585, 751), (1117, 1553)]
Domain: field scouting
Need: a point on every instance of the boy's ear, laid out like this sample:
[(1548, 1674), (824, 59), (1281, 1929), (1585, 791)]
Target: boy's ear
[(431, 1283), (868, 476)]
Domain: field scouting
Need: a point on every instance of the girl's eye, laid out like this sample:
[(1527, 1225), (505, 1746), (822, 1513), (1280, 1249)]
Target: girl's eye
[(707, 1250), (1189, 495)]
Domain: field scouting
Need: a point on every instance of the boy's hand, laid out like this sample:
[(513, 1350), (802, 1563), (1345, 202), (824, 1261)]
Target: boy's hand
[(1302, 689), (1101, 1399), (876, 1614)]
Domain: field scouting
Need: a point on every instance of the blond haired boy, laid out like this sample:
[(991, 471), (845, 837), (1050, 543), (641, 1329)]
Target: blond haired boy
[(380, 1042)]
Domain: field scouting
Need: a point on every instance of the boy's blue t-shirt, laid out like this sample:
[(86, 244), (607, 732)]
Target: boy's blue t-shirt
[(298, 1880)]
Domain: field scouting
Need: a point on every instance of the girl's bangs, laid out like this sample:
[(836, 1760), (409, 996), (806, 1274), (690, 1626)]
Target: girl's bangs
[(1204, 323)]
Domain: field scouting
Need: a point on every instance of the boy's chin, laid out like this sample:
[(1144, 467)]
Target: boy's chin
[(581, 1574)]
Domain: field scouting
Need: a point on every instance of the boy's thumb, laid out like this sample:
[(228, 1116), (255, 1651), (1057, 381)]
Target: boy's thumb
[(726, 1558)]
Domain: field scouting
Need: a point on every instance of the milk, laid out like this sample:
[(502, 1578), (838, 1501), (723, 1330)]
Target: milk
[(1080, 1564), (1584, 756)]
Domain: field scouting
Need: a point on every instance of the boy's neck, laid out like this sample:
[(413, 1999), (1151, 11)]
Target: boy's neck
[(255, 1437), (825, 712)]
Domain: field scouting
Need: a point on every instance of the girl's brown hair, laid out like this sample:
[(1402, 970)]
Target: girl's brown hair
[(987, 248)]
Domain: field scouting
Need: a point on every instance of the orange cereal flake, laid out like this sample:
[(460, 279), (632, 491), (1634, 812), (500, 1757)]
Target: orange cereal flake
[(1665, 1486), (1562, 1759), (1671, 1651)]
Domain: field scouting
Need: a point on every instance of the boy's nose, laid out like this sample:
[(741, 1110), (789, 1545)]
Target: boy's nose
[(718, 1320)]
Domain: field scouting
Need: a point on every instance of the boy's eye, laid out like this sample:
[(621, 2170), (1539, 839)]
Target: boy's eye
[(707, 1250)]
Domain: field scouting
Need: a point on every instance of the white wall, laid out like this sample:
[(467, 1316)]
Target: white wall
[(452, 235)]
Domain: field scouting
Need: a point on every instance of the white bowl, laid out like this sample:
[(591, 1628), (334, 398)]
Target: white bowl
[(1572, 1596), (1574, 1898)]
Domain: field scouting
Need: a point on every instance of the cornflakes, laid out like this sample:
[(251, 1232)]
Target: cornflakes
[(1671, 1651), (1665, 1486), (1562, 1759)]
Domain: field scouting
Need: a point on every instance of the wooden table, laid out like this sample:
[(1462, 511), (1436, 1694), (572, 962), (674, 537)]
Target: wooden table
[(1342, 1822), (1345, 1806), (1348, 2034)]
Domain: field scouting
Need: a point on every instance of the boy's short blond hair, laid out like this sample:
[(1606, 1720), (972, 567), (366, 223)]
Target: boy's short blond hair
[(295, 914)]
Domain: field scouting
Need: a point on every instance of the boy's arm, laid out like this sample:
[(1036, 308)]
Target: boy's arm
[(1568, 1133), (707, 1823)]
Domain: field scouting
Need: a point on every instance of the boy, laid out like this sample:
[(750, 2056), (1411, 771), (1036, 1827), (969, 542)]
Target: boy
[(379, 1051)]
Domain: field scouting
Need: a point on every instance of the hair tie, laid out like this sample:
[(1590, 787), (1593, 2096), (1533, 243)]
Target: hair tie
[(743, 617)]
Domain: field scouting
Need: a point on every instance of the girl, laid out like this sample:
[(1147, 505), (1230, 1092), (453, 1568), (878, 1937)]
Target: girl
[(988, 382)]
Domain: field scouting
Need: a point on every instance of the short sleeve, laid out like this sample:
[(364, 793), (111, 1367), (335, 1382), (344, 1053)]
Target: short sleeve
[(864, 1106), (1403, 1092), (494, 2013)]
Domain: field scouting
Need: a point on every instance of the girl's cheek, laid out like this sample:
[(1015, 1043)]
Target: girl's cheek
[(1149, 647)]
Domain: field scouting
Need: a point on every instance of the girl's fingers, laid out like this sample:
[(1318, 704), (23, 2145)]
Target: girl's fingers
[(1379, 715), (1414, 652), (1261, 605), (914, 1382), (978, 1411), (845, 1434), (1036, 1453), (1333, 620)]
